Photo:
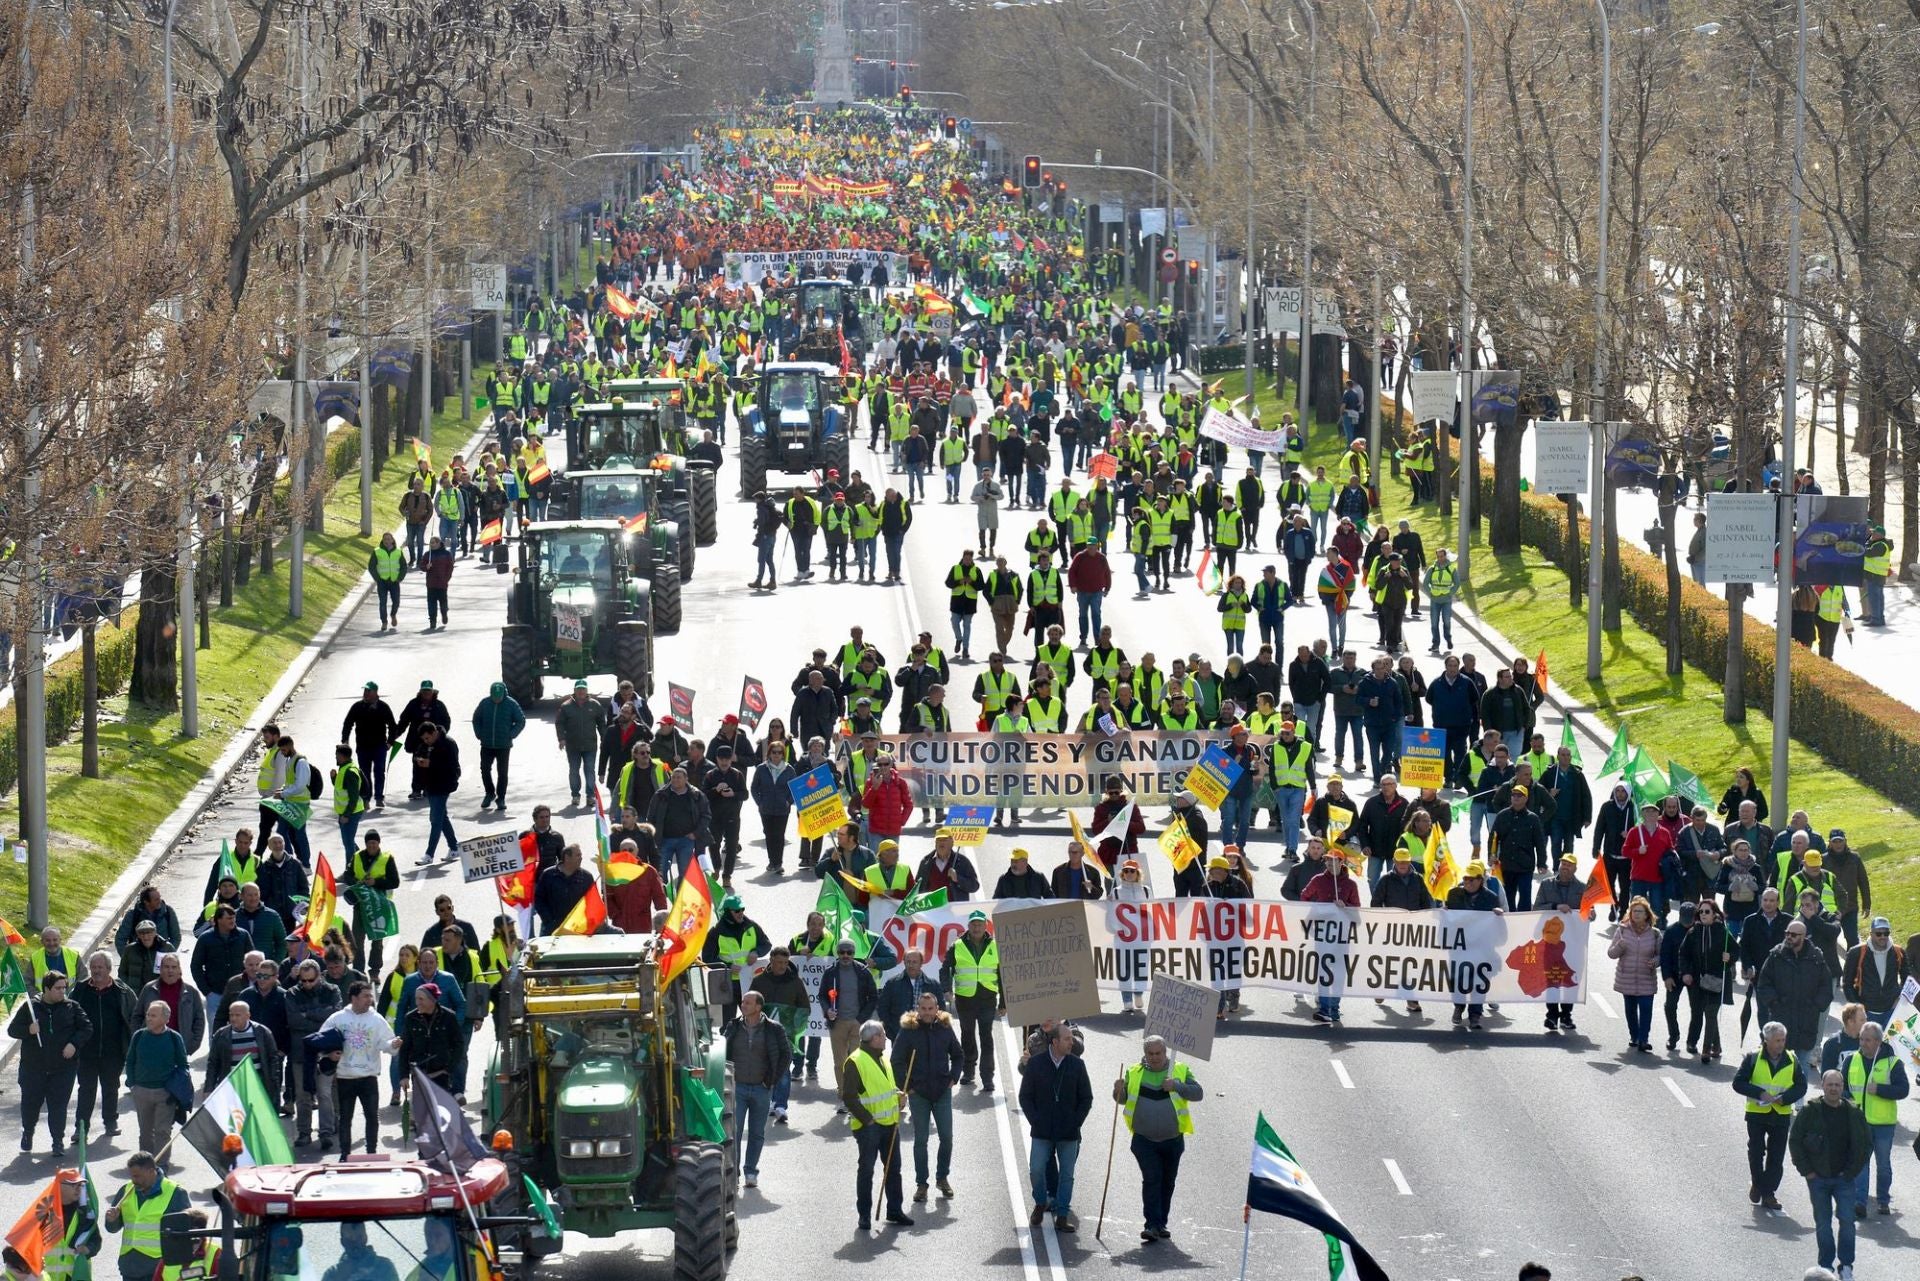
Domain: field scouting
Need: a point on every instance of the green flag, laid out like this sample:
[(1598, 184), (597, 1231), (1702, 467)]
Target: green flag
[(229, 866), (89, 1193), (538, 1203), (924, 901), (1686, 784), (700, 1109), (1568, 741), (842, 922), (13, 980), (239, 1106), (295, 813), (1618, 756), (1646, 780)]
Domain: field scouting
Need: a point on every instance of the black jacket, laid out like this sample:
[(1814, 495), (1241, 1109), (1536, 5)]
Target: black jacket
[(1032, 885), (1828, 1141), (866, 999), (1758, 938), (926, 1056), (1409, 893), (1381, 822), (1519, 839), (761, 1057), (113, 1014), (434, 1043), (1055, 1097), (1092, 884), (60, 1025), (1794, 990), (370, 727), (1573, 807), (442, 774), (220, 1056), (417, 714), (217, 957), (901, 996)]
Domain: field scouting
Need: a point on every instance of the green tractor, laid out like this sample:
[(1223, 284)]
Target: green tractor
[(644, 424), (617, 1095), (577, 607), (659, 548)]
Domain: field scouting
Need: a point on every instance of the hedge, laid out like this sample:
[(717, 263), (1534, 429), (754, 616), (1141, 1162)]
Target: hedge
[(1853, 723), (66, 689)]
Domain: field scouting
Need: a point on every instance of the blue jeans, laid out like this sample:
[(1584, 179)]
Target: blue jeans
[(1236, 640), (1477, 818), (1882, 1136), (677, 852), (1873, 590), (1090, 603), (1310, 713), (893, 553), (1289, 800), (1052, 1160), (1832, 1199), (1655, 892), (350, 833), (1036, 487), (416, 541), (437, 824), (1319, 523), (580, 773), (1234, 815), (1342, 727), (953, 482), (1336, 628), (916, 480), (864, 560), (1639, 1018), (1516, 741), (963, 632), (1440, 618), (1328, 1005), (763, 567), (940, 1113), (1383, 748), (389, 594), (1140, 572), (754, 1101), (449, 533)]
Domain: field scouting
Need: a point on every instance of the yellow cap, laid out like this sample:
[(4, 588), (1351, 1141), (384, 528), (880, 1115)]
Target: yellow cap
[(1476, 868), (889, 845), (1217, 861)]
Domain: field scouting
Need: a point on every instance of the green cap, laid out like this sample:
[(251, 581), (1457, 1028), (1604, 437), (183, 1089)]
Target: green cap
[(372, 685), (976, 915), (426, 684), (731, 903)]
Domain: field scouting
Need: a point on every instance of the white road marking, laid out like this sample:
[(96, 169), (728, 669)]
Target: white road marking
[(1016, 1189), (1673, 1088), (1340, 1072), (1603, 1005), (1400, 1183)]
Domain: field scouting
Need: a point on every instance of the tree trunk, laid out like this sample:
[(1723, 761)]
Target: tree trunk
[(1909, 485), (1610, 559), (1669, 512), (1733, 683), (156, 638), (89, 701), (1572, 560), (1328, 379), (1503, 534)]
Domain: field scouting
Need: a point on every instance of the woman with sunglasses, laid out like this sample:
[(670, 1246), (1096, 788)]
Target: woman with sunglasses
[(1705, 952)]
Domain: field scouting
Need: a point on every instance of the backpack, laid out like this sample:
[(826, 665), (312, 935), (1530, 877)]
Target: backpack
[(316, 779)]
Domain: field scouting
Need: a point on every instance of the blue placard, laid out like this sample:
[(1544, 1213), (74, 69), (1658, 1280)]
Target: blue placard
[(1423, 756)]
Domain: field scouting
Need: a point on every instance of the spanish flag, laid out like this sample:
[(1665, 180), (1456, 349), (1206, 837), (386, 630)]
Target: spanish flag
[(323, 902), (688, 921), (539, 471), (621, 305), (622, 865), (635, 524), (587, 916), (491, 533), (9, 935), (920, 149)]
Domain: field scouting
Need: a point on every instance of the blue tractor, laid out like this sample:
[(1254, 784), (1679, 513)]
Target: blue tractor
[(796, 424)]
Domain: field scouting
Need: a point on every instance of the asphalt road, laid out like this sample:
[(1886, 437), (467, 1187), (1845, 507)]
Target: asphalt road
[(1452, 1157)]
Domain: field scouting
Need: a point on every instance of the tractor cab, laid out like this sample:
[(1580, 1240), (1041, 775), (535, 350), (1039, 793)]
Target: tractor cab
[(575, 607), (650, 431), (624, 433), (796, 424), (827, 310), (660, 543)]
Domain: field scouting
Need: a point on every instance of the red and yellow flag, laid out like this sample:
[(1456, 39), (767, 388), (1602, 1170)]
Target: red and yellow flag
[(635, 524), (587, 916), (688, 921), (323, 902), (539, 471), (622, 865), (620, 305), (40, 1228), (491, 533), (1540, 672), (9, 935)]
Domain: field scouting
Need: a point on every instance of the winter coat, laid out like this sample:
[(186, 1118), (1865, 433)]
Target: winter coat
[(1708, 951), (498, 720), (926, 1055), (442, 774), (1860, 978), (44, 1030), (1794, 990), (900, 997), (758, 1056), (1408, 893), (1055, 1098), (191, 1019), (1092, 884), (1637, 960), (220, 1057)]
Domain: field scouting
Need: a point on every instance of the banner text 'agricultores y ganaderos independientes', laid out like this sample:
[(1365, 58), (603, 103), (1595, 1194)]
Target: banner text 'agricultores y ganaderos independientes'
[(1046, 770)]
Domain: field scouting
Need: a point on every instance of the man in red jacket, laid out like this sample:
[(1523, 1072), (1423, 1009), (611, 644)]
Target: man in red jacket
[(1644, 848), (1089, 578), (1332, 885), (887, 801)]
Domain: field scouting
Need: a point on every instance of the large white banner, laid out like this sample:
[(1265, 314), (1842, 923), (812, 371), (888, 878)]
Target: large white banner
[(1051, 771), (1434, 393), (1233, 430), (750, 269), (1314, 948), (1283, 311)]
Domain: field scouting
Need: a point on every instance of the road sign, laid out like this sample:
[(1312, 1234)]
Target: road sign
[(1169, 255), (488, 282), (966, 125)]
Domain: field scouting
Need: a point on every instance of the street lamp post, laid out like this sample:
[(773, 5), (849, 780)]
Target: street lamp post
[(1597, 409), (1790, 397), (1247, 292), (1305, 396)]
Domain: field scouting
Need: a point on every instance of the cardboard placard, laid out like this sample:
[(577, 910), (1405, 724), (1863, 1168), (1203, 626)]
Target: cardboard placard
[(482, 858), (1046, 963), (1183, 1012)]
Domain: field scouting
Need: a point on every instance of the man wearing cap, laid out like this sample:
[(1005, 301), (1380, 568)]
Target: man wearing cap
[(1519, 842), (369, 725), (848, 999), (1332, 885), (1814, 877), (1875, 971), (1852, 892), (972, 966), (887, 877), (736, 941), (1473, 895), (423, 709), (577, 725), (1020, 880)]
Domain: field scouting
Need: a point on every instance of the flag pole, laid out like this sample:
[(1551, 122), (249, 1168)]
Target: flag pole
[(1113, 1132), (1246, 1238), (886, 1170), (459, 1184)]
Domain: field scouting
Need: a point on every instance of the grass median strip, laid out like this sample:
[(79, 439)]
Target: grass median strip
[(98, 825)]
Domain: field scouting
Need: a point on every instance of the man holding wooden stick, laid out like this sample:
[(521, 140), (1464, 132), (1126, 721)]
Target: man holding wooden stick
[(1154, 1094)]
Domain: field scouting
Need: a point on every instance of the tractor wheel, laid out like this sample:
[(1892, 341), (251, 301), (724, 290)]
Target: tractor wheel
[(753, 467), (520, 664), (700, 1213), (727, 1122), (633, 654), (687, 544), (703, 487), (666, 580), (835, 455)]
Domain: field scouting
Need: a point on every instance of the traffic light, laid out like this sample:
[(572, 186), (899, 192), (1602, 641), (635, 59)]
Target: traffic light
[(1060, 186), (950, 126), (1030, 172), (906, 97)]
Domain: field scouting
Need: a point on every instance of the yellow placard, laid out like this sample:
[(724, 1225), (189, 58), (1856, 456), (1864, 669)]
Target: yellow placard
[(823, 816), (1179, 847)]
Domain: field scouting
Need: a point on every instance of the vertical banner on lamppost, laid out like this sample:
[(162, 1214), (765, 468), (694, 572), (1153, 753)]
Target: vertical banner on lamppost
[(1434, 393), (1562, 454), (1741, 537)]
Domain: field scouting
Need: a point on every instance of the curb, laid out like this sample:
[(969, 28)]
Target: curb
[(100, 924)]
